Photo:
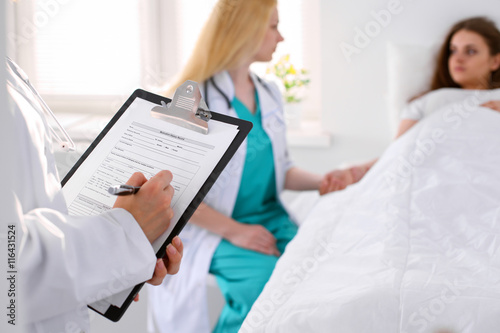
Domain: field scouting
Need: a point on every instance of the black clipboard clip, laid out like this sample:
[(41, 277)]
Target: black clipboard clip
[(187, 109)]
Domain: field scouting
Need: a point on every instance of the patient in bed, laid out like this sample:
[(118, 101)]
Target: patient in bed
[(467, 73), (414, 246)]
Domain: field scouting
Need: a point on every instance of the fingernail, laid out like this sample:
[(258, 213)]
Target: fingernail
[(171, 249), (159, 263), (177, 241)]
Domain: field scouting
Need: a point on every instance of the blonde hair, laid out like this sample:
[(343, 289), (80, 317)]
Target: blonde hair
[(232, 34)]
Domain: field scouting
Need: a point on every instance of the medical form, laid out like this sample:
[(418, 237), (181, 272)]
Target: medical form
[(137, 142)]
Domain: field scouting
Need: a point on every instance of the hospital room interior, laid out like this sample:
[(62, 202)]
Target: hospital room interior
[(411, 247)]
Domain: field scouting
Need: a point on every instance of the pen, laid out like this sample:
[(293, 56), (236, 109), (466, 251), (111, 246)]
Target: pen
[(123, 189)]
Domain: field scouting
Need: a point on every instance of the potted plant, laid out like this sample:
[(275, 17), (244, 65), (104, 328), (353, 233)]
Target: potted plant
[(294, 82)]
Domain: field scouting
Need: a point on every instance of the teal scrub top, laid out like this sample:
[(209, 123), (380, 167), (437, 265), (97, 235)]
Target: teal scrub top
[(257, 201)]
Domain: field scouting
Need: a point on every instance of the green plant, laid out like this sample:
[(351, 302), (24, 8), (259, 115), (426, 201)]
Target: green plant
[(294, 80)]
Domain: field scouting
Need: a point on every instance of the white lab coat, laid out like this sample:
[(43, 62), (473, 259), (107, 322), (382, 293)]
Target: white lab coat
[(65, 262), (180, 303)]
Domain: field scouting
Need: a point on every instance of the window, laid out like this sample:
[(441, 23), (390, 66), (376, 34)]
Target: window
[(89, 55), (90, 47)]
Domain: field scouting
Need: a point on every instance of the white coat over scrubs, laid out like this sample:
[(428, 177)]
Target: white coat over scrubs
[(180, 303), (65, 262)]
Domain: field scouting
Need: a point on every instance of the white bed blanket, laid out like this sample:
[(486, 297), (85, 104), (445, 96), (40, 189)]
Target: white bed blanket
[(413, 247)]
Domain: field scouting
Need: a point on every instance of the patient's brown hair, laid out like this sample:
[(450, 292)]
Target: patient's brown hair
[(480, 25)]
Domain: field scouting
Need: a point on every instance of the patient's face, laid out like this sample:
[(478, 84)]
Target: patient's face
[(271, 39), (470, 63)]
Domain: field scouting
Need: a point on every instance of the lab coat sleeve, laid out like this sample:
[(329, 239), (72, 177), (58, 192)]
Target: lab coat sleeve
[(288, 163), (64, 262), (68, 261)]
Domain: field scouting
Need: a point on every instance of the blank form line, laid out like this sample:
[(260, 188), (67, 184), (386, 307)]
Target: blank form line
[(162, 138), (163, 163), (155, 142), (159, 152)]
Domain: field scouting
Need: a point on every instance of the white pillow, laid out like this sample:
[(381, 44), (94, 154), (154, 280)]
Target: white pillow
[(410, 69)]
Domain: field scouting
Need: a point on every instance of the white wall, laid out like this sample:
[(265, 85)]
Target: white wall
[(354, 104)]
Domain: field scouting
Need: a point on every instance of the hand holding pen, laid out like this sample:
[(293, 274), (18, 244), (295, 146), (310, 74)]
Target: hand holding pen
[(151, 208), (151, 205)]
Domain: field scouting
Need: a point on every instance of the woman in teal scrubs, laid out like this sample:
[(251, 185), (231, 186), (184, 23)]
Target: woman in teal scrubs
[(248, 227), (242, 273)]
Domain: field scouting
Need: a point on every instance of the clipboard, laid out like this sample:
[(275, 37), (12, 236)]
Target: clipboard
[(187, 114)]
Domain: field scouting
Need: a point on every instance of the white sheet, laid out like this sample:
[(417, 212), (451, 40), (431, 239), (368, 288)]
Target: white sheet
[(413, 247)]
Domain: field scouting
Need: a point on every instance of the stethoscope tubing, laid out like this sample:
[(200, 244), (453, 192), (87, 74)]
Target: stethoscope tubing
[(226, 98)]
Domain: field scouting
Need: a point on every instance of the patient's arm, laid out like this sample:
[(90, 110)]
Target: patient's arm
[(494, 105), (249, 236), (297, 179), (406, 124), (337, 180)]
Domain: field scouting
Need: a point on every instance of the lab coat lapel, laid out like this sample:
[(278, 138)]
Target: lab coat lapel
[(273, 123), (268, 103), (223, 194)]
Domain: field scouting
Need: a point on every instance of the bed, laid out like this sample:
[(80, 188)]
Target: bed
[(413, 247)]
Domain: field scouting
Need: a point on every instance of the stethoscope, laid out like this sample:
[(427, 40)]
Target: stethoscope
[(226, 98), (65, 143)]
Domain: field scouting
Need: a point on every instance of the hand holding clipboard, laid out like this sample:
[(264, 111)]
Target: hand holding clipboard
[(148, 134)]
